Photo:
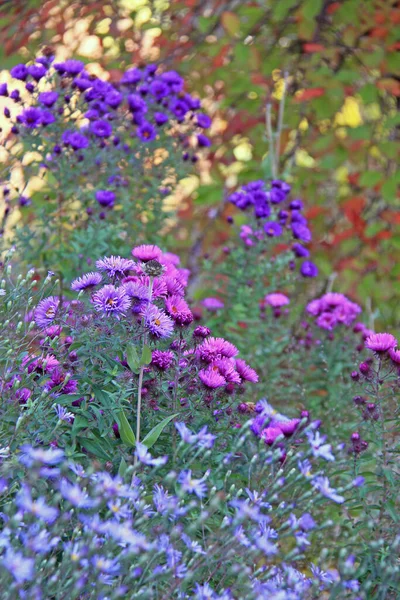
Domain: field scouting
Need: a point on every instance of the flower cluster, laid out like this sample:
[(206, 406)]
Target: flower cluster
[(332, 310), (77, 119), (275, 215)]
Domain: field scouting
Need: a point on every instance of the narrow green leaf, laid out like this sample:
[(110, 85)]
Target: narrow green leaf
[(146, 356), (122, 467), (94, 448), (132, 358), (125, 430), (155, 433)]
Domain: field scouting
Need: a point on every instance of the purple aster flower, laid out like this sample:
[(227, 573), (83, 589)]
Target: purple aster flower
[(174, 81), (74, 494), (82, 83), (105, 198), (193, 486), (3, 89), (70, 67), (20, 567), (211, 378), (31, 117), (15, 95), (273, 229), (246, 372), (114, 99), (318, 446), (322, 484), (46, 311), (24, 201), (159, 89), (19, 72), (226, 368), (111, 301), (115, 266), (187, 436), (380, 342), (203, 141), (160, 118), (296, 204), (37, 71), (137, 104), (301, 232), (309, 269), (212, 304), (58, 379), (146, 132), (300, 251), (46, 456), (158, 322), (63, 414), (131, 76), (394, 355), (38, 507), (76, 140), (201, 332), (101, 128), (86, 282), (147, 252), (162, 359), (43, 364), (48, 98), (145, 457), (47, 118), (203, 121), (23, 395), (139, 295)]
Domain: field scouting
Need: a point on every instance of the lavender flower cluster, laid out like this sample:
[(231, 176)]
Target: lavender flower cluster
[(275, 215), (150, 533), (333, 309)]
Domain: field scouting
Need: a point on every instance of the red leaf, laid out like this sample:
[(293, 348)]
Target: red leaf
[(311, 47), (309, 94)]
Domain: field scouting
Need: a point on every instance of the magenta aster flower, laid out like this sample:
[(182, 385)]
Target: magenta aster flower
[(201, 332), (86, 282), (226, 367), (158, 322), (115, 266), (246, 372), (174, 286), (380, 342), (178, 309), (276, 300), (270, 434), (111, 301), (162, 360), (211, 378), (394, 355), (147, 252), (326, 320), (214, 348), (43, 364), (212, 304), (46, 311)]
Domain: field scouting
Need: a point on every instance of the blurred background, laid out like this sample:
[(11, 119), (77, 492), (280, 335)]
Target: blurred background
[(339, 63)]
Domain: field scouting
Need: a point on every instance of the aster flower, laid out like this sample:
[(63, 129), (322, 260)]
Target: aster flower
[(48, 98), (211, 378), (381, 342), (115, 266), (394, 355), (46, 456), (157, 322), (145, 457), (37, 71), (162, 359), (76, 140), (146, 132), (46, 311), (58, 378), (69, 67), (276, 300), (201, 332), (86, 282), (245, 372), (147, 252), (101, 128), (139, 295), (214, 348), (42, 364), (111, 300), (322, 484), (193, 486), (270, 434), (179, 310), (20, 567), (309, 269), (203, 120), (105, 198), (226, 367), (203, 141), (318, 446), (19, 72), (174, 286), (273, 229), (212, 304), (31, 117), (301, 232), (38, 507), (63, 414)]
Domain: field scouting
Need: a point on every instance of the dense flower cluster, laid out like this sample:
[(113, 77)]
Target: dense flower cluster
[(276, 216), (333, 309), (77, 119), (141, 532)]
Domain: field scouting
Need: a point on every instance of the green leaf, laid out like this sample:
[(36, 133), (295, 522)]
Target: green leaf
[(122, 467), (281, 9), (145, 359), (155, 433), (132, 358), (370, 178), (94, 448), (125, 430)]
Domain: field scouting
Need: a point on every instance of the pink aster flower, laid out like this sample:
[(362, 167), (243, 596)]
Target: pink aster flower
[(43, 364), (270, 434), (147, 252), (162, 359), (277, 300), (158, 322), (214, 348), (246, 372), (211, 379), (174, 286), (395, 355), (226, 367), (326, 321), (178, 309), (380, 342), (171, 258), (212, 304), (314, 307)]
